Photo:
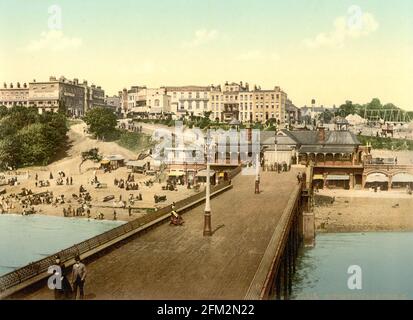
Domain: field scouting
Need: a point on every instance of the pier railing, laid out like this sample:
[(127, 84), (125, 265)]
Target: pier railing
[(40, 267)]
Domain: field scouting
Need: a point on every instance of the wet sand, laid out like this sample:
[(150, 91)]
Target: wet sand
[(371, 212)]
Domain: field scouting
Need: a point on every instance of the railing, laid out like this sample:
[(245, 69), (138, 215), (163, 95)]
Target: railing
[(36, 268), (264, 278)]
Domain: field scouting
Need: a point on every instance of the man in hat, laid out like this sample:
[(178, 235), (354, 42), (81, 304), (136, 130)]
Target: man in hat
[(78, 277)]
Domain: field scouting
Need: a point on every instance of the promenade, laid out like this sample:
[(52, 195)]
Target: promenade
[(179, 263)]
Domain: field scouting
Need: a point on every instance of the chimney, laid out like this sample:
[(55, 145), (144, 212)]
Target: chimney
[(321, 134)]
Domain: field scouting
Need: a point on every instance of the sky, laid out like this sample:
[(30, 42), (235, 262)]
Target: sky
[(329, 50)]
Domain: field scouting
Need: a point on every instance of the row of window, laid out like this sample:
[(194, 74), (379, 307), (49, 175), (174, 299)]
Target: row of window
[(245, 97), (194, 104), (197, 95)]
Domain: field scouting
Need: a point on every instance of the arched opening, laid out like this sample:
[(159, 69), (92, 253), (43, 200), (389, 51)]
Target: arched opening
[(320, 158), (329, 158), (376, 181), (402, 180)]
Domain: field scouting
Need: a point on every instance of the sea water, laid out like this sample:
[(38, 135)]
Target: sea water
[(24, 239), (377, 265)]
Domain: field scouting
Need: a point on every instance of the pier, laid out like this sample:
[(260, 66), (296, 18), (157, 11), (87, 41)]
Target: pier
[(251, 254)]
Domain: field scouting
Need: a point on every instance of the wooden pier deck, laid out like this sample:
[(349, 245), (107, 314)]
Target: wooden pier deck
[(179, 263)]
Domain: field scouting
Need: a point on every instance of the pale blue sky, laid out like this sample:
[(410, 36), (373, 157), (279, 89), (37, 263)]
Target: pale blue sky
[(293, 44)]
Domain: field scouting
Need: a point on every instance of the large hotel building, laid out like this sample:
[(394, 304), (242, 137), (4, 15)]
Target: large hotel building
[(76, 97), (229, 102), (232, 101)]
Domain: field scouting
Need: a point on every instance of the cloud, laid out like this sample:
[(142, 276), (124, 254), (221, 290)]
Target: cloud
[(250, 55), (255, 55), (355, 25), (202, 36), (53, 40)]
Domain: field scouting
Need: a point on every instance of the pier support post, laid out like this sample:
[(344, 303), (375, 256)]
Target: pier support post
[(309, 229), (285, 276)]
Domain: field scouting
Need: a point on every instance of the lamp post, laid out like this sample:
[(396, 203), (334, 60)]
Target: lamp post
[(207, 211)]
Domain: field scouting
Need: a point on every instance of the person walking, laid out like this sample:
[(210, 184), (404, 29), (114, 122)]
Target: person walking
[(257, 184), (299, 178), (78, 278)]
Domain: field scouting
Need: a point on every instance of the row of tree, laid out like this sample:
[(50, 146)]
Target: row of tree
[(29, 138)]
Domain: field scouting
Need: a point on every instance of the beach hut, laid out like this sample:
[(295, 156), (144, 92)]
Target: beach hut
[(112, 162), (138, 166), (201, 176), (177, 176)]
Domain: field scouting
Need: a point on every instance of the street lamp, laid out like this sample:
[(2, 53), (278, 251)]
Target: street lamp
[(207, 211)]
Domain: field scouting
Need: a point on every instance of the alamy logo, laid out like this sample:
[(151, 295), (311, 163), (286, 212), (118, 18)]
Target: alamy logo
[(354, 282), (214, 146), (355, 18), (55, 280), (55, 17)]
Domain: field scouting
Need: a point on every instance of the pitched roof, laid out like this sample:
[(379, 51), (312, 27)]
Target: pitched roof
[(331, 137)]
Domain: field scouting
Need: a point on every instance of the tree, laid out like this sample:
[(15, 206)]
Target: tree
[(27, 138), (101, 121), (10, 152), (36, 148), (346, 109), (326, 116), (3, 111)]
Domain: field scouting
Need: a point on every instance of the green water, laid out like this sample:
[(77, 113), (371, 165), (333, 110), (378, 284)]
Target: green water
[(24, 239), (385, 259)]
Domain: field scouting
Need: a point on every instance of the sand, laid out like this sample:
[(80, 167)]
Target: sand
[(70, 163), (365, 211)]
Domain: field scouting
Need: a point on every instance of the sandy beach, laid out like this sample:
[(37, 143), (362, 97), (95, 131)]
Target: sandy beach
[(363, 211), (79, 141)]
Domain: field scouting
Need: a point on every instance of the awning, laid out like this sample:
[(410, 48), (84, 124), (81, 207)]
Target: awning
[(402, 177), (203, 173), (377, 177), (318, 177), (136, 163), (176, 174), (105, 162), (338, 177)]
